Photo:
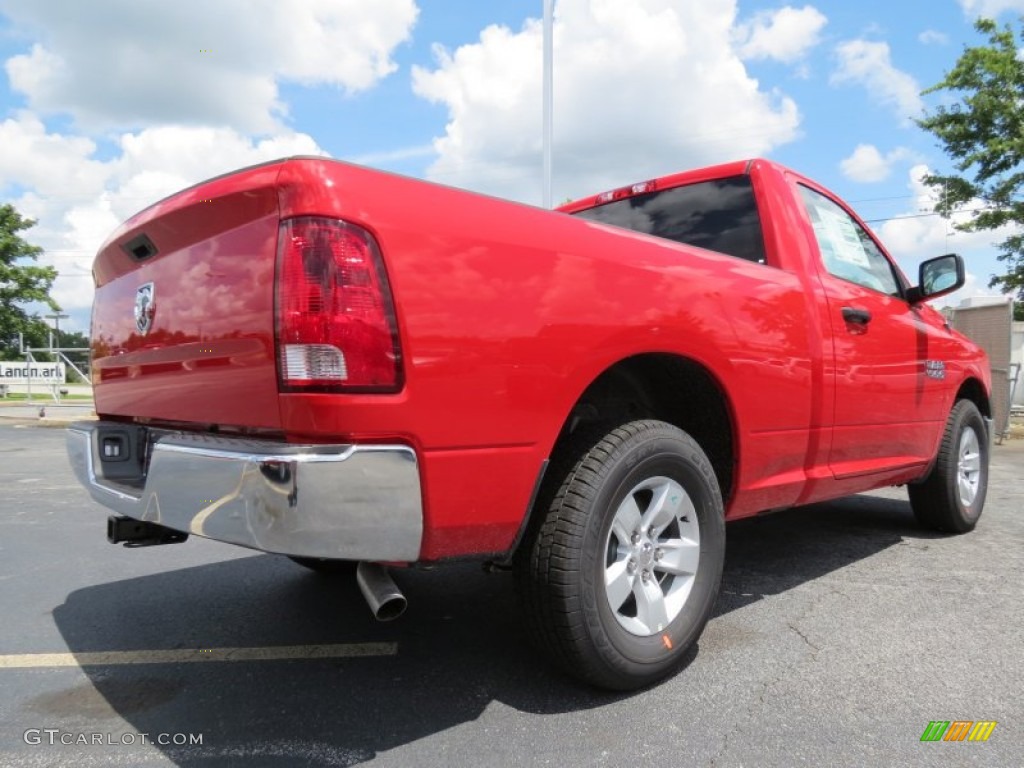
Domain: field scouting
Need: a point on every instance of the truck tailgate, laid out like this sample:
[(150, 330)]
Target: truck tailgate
[(183, 320)]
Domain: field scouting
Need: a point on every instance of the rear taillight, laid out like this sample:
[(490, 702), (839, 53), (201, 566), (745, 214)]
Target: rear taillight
[(336, 328)]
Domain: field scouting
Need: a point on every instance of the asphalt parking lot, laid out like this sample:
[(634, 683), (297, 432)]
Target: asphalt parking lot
[(841, 632)]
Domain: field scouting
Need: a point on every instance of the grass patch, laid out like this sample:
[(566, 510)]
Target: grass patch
[(43, 396)]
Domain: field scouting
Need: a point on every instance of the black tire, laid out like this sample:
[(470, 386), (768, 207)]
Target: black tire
[(937, 500), (324, 566), (562, 565)]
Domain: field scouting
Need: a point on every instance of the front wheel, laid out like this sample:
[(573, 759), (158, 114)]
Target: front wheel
[(952, 496), (621, 575)]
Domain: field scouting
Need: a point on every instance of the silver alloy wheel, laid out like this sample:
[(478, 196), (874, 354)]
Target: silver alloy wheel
[(652, 552), (968, 467)]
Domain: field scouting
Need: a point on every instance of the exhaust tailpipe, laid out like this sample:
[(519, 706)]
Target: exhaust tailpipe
[(382, 594)]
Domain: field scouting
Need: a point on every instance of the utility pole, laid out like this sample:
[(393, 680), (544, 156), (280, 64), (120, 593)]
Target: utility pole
[(548, 109), (57, 317)]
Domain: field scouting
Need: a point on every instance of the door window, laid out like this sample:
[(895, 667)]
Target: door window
[(847, 250)]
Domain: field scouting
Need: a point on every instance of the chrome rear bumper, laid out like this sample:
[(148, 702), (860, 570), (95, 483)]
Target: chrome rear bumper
[(349, 502)]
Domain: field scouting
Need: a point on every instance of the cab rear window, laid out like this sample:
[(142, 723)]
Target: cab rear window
[(720, 215)]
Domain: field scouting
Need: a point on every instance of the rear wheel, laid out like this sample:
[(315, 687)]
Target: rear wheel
[(620, 576), (952, 496)]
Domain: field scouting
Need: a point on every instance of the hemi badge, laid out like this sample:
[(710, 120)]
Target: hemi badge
[(935, 369)]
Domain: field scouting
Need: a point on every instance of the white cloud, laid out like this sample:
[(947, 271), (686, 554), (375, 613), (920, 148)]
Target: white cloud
[(50, 164), (933, 37), (784, 35), (868, 165), (990, 9), (869, 64), (126, 64), (79, 200), (918, 236), (914, 236), (641, 89)]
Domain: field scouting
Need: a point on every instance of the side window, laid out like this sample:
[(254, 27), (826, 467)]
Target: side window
[(720, 215), (847, 251)]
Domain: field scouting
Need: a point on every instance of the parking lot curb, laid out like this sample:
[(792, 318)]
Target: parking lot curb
[(55, 416)]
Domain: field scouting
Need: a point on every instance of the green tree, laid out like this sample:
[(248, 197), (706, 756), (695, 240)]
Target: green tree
[(21, 283), (74, 339), (983, 133)]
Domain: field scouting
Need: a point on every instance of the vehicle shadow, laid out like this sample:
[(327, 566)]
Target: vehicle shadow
[(460, 646)]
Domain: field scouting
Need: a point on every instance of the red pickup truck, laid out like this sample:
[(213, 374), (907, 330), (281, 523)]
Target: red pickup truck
[(357, 369)]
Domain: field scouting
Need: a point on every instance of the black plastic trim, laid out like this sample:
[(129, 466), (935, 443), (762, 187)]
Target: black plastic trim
[(140, 247)]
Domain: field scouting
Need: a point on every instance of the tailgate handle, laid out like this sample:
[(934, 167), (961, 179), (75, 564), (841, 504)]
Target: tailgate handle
[(858, 316), (139, 247)]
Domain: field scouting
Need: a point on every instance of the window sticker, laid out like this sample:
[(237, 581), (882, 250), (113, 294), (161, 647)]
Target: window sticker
[(841, 234)]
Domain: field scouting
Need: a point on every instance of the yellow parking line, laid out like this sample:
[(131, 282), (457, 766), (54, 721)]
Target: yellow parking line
[(190, 655)]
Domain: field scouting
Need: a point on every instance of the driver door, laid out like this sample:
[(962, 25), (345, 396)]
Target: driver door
[(883, 416)]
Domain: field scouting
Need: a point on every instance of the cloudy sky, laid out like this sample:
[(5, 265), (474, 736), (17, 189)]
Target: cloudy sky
[(109, 105)]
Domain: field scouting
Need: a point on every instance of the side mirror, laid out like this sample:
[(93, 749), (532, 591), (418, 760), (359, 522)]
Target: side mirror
[(937, 277)]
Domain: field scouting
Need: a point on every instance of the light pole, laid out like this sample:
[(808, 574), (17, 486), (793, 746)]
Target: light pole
[(548, 95)]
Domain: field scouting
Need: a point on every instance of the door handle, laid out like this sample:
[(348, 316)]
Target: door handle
[(858, 316)]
